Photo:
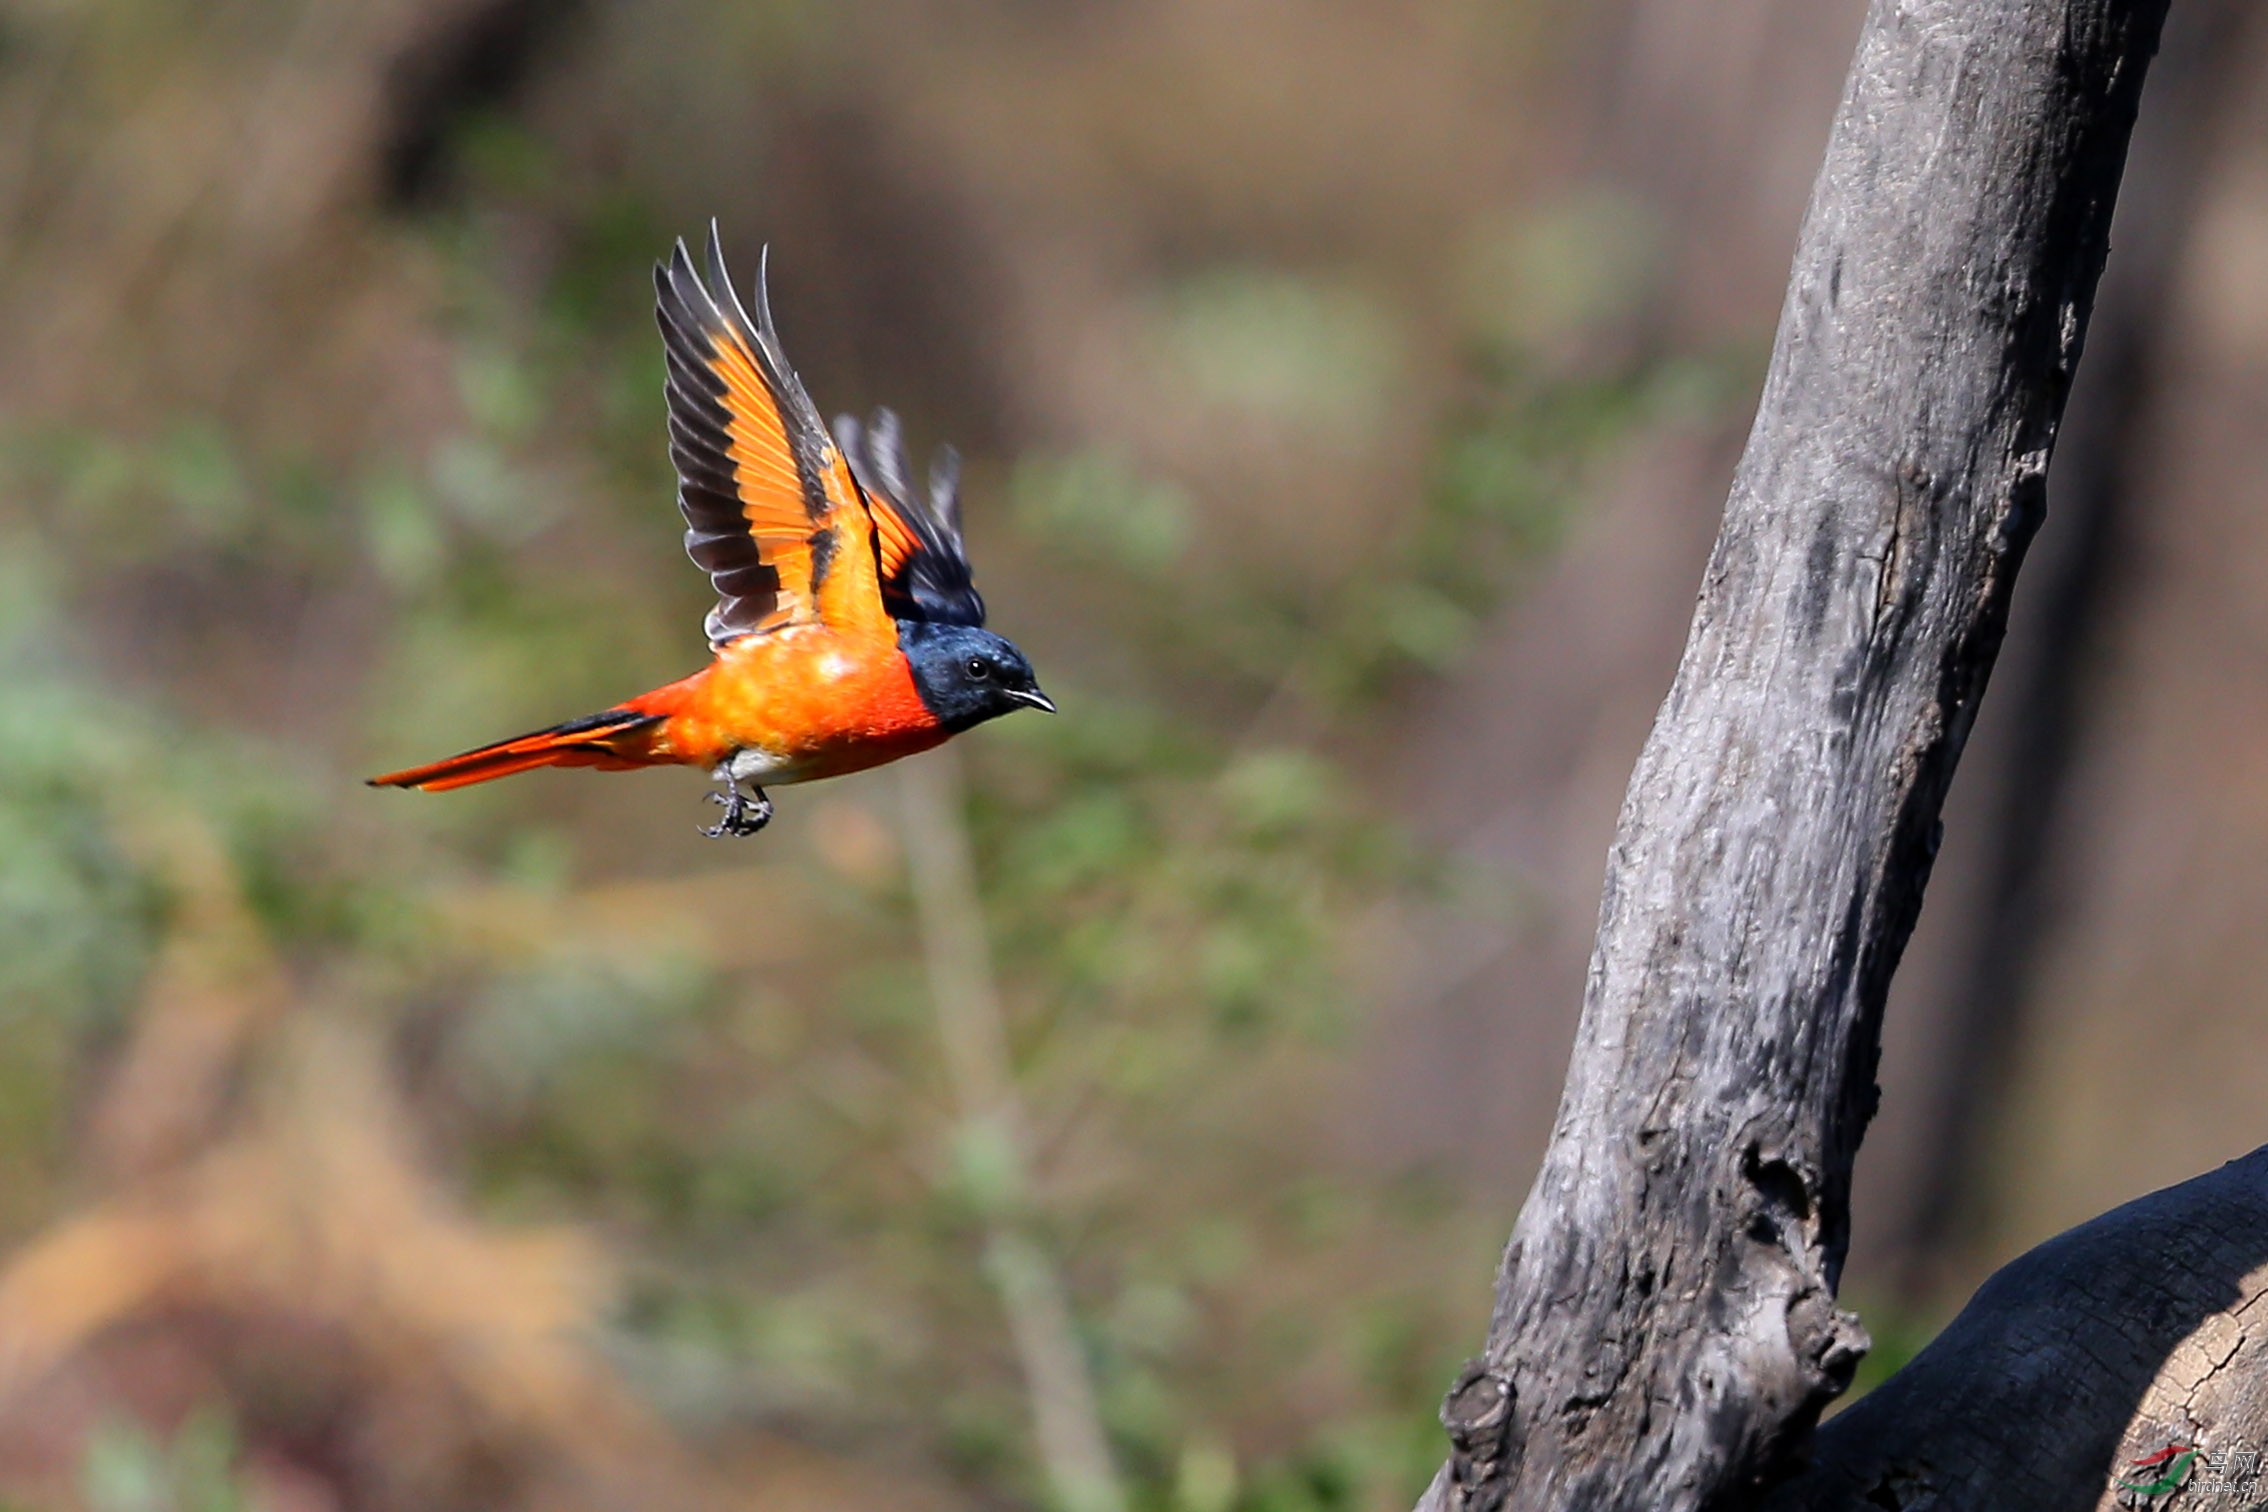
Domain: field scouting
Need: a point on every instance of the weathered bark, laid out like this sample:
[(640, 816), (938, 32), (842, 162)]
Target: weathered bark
[(1665, 1329), (2141, 1330)]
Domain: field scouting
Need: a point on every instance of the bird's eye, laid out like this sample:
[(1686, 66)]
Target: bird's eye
[(979, 669)]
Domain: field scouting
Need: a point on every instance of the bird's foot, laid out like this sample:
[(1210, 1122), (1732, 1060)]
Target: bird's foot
[(744, 813)]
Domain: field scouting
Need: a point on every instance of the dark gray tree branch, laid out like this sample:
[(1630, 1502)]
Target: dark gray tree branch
[(1665, 1332), (2144, 1329)]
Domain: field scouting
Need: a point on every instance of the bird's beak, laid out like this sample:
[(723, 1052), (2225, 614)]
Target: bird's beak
[(1034, 697)]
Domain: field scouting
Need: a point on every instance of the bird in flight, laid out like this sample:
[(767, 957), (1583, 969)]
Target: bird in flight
[(847, 631)]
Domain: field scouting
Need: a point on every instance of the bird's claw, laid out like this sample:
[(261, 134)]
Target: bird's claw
[(743, 814)]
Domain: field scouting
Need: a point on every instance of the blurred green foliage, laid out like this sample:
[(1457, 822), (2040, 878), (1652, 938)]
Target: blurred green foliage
[(1182, 874), (1173, 912), (1900, 1330), (126, 1470)]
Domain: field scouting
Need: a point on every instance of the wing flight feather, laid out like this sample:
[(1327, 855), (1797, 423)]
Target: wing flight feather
[(767, 501), (919, 554)]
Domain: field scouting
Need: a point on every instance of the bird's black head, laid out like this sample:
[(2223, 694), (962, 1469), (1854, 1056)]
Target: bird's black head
[(966, 676)]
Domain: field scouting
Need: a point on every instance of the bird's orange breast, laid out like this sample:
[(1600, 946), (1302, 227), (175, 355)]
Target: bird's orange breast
[(817, 701)]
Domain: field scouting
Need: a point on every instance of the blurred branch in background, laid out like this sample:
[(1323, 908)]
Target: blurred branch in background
[(1999, 918), (258, 1183), (992, 1145), (216, 983)]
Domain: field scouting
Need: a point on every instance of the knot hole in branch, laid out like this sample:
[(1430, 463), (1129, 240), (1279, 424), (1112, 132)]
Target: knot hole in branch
[(1827, 1342), (1781, 1199)]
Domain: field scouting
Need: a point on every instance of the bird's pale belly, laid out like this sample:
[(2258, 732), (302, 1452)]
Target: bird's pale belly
[(748, 764), (762, 768)]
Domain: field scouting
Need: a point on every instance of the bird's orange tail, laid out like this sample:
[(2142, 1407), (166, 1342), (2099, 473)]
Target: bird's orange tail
[(601, 740)]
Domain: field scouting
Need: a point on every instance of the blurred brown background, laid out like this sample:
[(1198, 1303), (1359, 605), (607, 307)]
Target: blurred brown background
[(1349, 391)]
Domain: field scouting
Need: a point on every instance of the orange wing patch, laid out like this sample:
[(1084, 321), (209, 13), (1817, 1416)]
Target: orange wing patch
[(894, 540), (922, 565), (769, 506)]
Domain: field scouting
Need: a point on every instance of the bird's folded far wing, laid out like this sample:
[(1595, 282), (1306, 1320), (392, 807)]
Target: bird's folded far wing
[(770, 510), (919, 555)]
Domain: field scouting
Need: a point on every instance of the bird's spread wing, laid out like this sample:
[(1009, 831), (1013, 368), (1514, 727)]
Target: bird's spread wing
[(924, 567), (771, 513)]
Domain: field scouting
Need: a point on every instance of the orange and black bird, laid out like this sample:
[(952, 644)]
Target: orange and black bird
[(847, 631)]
